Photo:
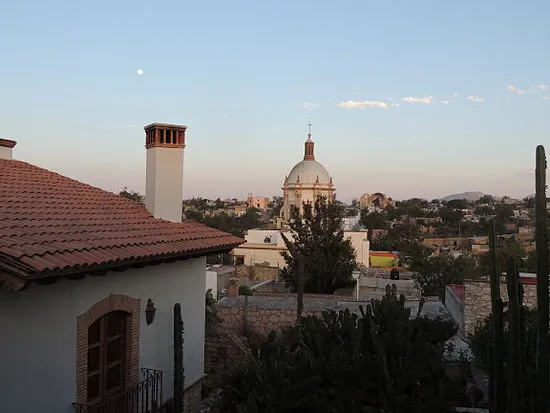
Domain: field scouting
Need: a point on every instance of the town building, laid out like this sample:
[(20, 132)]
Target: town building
[(88, 285), (258, 202), (375, 202), (265, 247)]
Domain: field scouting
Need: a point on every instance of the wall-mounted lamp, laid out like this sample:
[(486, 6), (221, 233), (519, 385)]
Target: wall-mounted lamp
[(150, 311)]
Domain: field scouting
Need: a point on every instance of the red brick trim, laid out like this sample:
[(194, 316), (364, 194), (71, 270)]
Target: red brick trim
[(7, 143), (112, 303)]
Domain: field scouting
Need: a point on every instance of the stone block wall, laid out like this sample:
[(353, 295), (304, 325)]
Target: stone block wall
[(259, 320), (477, 300), (257, 272), (375, 272), (272, 287), (192, 398)]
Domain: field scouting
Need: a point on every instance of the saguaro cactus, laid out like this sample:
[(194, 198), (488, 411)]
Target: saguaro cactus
[(496, 362), (541, 233), (179, 376), (516, 398)]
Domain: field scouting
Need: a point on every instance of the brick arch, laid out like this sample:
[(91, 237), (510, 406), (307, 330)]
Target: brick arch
[(84, 321)]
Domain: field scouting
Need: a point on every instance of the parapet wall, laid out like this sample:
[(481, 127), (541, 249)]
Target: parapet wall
[(477, 300)]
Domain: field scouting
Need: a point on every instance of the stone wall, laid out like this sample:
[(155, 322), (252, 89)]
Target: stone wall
[(258, 272), (477, 300), (273, 287), (192, 398), (259, 320), (376, 272)]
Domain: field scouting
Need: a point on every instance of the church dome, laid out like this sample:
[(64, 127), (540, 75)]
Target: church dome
[(308, 172)]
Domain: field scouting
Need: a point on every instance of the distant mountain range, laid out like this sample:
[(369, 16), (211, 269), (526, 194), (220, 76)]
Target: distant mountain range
[(468, 196)]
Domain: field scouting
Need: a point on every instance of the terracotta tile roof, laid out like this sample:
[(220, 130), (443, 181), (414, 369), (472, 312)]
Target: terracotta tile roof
[(53, 225)]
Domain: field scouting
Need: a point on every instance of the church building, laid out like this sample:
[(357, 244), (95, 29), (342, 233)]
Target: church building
[(307, 181)]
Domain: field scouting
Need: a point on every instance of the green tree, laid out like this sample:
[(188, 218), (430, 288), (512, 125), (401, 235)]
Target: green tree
[(413, 207), (375, 220), (404, 235), (458, 204), (416, 256), (133, 195), (391, 213), (318, 236), (450, 215), (507, 247), (486, 199), (383, 243), (200, 204), (529, 202), (194, 215), (275, 205), (484, 210), (249, 220), (399, 238), (436, 272), (504, 213)]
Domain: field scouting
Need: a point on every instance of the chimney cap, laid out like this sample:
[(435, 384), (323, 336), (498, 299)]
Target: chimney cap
[(165, 125), (7, 143)]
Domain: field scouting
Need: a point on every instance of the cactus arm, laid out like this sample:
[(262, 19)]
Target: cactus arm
[(178, 360), (541, 234), (516, 399), (496, 372)]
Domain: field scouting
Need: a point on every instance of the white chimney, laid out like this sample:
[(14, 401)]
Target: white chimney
[(164, 174), (6, 148)]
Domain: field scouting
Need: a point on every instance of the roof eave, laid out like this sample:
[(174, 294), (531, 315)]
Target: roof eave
[(78, 272)]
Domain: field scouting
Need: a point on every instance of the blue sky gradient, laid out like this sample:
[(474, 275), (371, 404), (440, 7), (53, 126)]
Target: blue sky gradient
[(408, 97)]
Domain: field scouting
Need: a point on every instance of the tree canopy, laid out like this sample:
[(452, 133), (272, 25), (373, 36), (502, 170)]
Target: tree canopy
[(232, 224), (399, 238), (374, 220), (317, 235), (434, 272), (133, 195)]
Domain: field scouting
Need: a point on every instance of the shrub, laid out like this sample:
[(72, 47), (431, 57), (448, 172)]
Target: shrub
[(245, 290), (381, 361)]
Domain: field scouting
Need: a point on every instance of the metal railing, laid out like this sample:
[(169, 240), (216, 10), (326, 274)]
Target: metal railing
[(145, 397)]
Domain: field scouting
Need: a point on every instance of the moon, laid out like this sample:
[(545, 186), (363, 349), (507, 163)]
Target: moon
[(139, 72)]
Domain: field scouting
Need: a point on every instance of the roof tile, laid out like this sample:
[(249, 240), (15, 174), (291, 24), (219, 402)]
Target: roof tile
[(50, 223)]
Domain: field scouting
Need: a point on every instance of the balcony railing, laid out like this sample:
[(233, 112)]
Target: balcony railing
[(145, 397)]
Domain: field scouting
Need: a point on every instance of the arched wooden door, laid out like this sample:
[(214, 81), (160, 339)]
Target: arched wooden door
[(107, 357)]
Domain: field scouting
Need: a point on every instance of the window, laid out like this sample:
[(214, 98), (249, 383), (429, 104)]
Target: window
[(107, 343)]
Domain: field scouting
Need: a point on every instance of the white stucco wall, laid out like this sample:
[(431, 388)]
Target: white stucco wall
[(164, 183), (38, 332), (6, 153), (359, 241), (253, 255), (212, 282)]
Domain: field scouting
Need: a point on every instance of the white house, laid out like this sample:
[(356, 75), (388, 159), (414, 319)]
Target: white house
[(264, 246), (82, 271)]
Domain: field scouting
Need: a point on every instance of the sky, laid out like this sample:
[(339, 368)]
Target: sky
[(413, 98)]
